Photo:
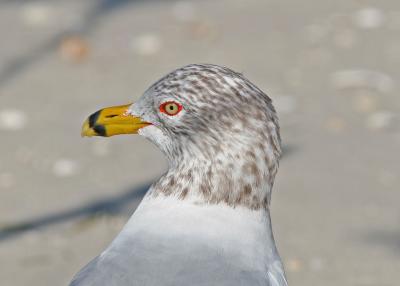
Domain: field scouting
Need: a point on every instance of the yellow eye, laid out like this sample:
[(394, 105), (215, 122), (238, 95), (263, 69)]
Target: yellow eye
[(171, 108)]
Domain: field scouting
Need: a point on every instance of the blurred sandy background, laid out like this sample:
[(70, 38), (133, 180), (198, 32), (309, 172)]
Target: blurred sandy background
[(331, 67)]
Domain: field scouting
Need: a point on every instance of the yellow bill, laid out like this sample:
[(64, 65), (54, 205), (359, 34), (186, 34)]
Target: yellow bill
[(112, 121)]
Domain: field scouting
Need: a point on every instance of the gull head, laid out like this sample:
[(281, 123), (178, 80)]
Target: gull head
[(207, 118)]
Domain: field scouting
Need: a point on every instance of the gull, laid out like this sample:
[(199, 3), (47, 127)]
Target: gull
[(206, 221)]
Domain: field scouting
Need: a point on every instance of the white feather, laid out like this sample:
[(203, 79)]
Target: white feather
[(169, 241)]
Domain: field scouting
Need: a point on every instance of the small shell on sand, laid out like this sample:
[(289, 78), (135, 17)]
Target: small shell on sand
[(12, 119), (360, 78), (65, 167)]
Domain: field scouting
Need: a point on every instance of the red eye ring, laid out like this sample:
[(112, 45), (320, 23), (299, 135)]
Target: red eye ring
[(171, 108)]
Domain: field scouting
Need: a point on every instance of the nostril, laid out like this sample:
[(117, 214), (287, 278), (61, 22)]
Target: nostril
[(111, 115)]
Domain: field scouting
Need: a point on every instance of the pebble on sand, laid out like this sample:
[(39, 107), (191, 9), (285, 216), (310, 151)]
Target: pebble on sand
[(12, 119), (146, 45), (36, 14), (380, 120), (368, 18), (360, 78), (65, 167), (74, 49), (294, 265), (364, 103)]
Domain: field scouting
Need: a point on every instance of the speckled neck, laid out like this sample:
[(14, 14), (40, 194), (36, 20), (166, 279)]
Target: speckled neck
[(240, 179)]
